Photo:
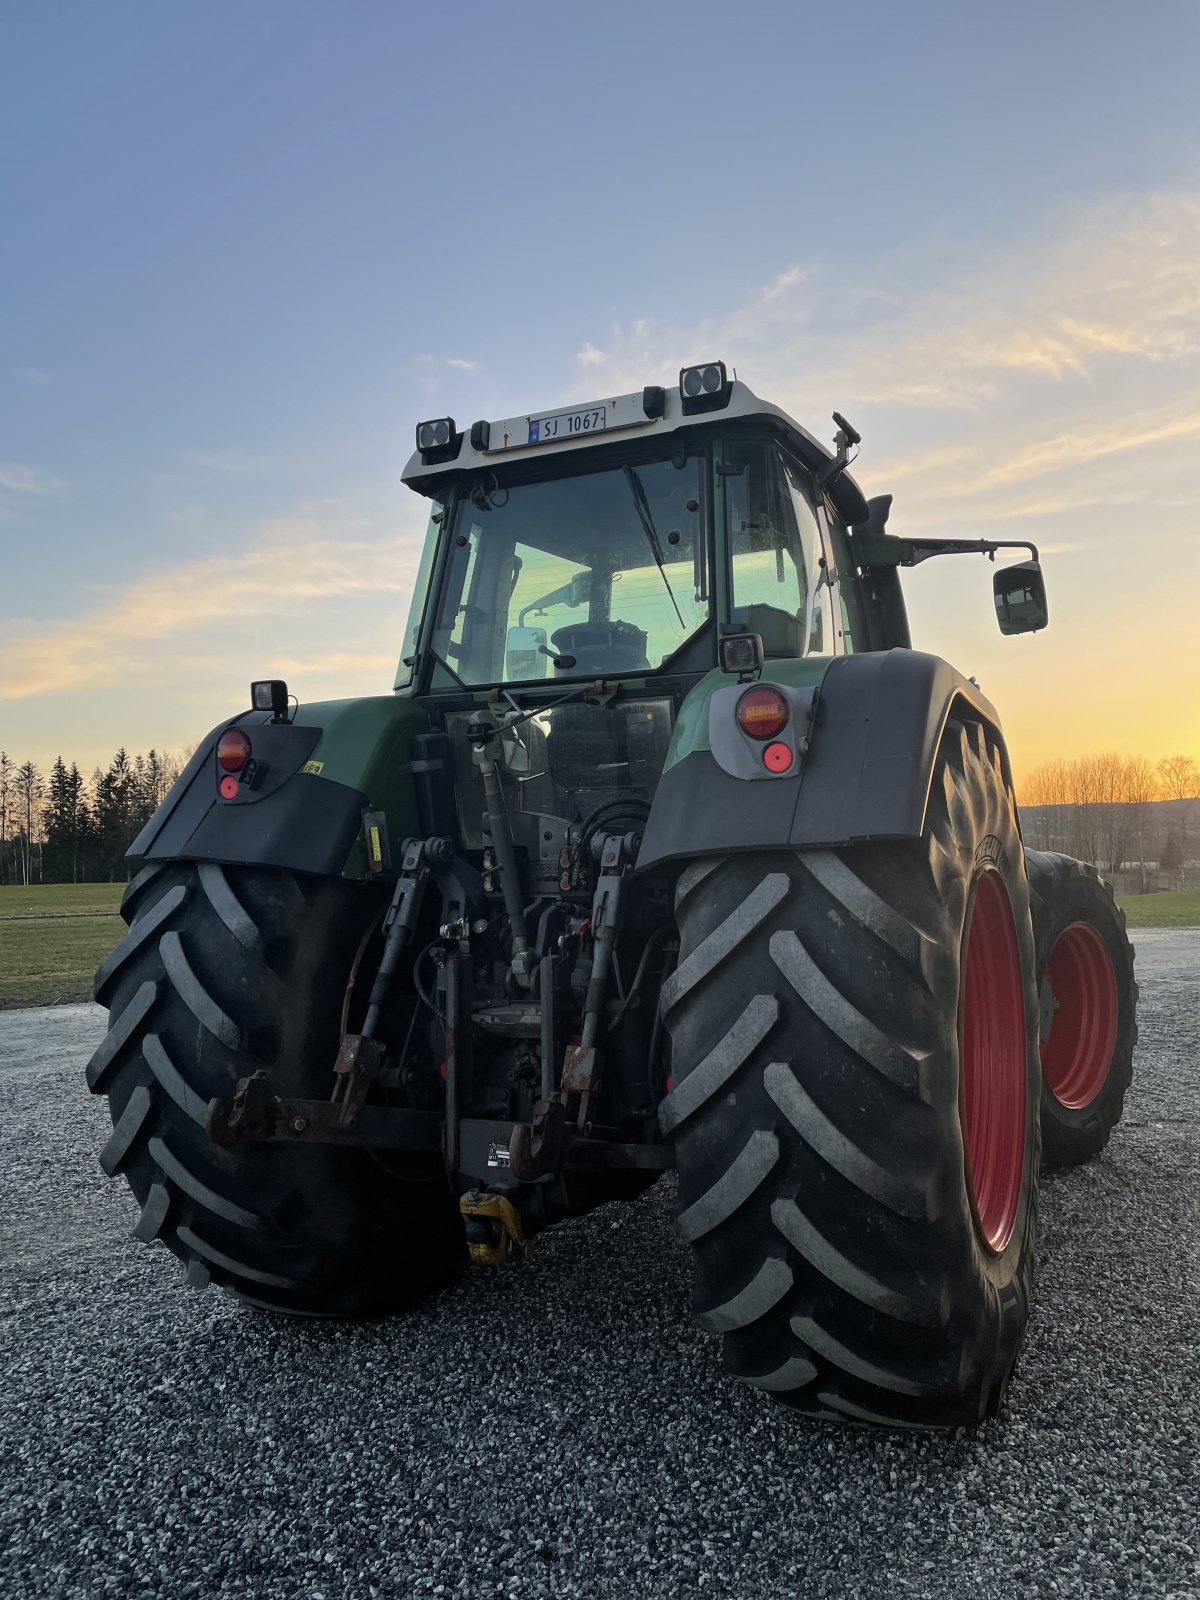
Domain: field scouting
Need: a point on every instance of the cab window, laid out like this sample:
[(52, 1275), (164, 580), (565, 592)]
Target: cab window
[(778, 580), (851, 619)]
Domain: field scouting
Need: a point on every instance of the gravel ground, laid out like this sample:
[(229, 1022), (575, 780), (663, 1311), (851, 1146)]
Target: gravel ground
[(558, 1428)]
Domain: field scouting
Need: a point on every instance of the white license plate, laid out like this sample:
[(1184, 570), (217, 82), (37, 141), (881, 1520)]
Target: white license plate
[(567, 424)]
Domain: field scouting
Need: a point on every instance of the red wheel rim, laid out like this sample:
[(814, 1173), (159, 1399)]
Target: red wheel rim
[(993, 1066), (1078, 1050)]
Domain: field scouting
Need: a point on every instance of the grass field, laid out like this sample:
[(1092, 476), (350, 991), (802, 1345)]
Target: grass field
[(54, 936), (1178, 909), (52, 939)]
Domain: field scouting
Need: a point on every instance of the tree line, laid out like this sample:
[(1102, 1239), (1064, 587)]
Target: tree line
[(1102, 809), (61, 827)]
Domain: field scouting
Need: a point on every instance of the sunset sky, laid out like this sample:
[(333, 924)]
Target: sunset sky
[(246, 248)]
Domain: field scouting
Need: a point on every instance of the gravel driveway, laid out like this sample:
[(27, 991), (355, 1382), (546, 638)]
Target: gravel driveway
[(559, 1428)]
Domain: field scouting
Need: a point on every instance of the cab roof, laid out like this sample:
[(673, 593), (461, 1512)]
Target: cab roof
[(488, 445)]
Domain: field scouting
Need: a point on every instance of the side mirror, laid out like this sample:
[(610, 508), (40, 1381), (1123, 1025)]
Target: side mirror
[(525, 654), (1020, 594)]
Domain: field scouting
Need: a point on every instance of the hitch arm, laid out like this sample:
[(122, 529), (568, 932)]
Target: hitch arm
[(360, 1055), (420, 856)]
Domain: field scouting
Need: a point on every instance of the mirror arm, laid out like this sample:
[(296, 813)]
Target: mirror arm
[(883, 550)]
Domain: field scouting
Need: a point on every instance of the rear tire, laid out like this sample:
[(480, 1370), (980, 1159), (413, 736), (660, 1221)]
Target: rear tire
[(1088, 1006), (226, 970), (862, 1210)]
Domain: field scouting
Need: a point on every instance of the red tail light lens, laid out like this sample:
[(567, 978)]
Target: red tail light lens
[(233, 750), (762, 713)]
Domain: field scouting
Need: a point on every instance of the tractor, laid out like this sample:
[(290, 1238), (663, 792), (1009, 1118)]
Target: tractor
[(667, 851)]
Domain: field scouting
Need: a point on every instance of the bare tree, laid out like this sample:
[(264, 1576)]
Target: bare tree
[(6, 793), (29, 787), (1180, 778), (1139, 786)]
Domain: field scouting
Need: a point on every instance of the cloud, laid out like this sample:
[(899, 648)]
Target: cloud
[(26, 480), (458, 363), (790, 279), (1117, 287), (302, 579)]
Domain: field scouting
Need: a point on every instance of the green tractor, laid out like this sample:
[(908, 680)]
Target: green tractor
[(667, 851)]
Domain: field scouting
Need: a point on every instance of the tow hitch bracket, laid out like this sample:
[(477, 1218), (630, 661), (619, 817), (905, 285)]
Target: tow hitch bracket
[(258, 1116)]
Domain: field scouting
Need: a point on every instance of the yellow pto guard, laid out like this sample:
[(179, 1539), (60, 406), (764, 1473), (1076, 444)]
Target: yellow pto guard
[(494, 1233)]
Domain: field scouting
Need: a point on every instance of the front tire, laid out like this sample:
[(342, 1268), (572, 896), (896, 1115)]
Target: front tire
[(1088, 1006), (225, 970), (854, 1106)]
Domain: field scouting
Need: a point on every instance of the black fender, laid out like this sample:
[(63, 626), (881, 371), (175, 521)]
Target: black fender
[(288, 818), (879, 722)]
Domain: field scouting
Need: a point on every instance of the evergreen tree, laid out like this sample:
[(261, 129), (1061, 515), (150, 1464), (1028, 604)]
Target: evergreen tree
[(66, 819), (85, 831), (114, 792)]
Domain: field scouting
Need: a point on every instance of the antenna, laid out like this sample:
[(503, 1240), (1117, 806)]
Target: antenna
[(845, 438)]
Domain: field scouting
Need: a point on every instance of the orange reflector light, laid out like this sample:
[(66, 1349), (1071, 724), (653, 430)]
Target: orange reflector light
[(233, 750), (778, 757), (762, 713)]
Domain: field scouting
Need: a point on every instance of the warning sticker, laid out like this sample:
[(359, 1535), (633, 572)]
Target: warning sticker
[(313, 766)]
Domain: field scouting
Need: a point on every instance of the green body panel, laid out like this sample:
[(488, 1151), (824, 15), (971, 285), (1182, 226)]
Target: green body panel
[(691, 725), (367, 745)]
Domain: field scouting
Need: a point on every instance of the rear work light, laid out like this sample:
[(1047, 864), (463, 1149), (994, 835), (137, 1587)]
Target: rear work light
[(762, 713), (233, 750), (704, 388), (438, 440)]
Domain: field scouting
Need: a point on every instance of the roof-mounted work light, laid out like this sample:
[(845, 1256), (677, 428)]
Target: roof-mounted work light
[(438, 439), (704, 388), (270, 694)]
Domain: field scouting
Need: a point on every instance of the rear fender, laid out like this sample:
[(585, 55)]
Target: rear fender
[(879, 719), (315, 776)]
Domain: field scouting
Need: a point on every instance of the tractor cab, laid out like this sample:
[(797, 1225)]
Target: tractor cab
[(584, 571), (622, 539)]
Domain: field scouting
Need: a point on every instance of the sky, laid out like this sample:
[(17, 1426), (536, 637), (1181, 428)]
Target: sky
[(246, 248)]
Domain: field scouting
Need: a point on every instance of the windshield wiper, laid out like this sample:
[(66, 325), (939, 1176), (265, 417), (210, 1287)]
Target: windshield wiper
[(647, 521)]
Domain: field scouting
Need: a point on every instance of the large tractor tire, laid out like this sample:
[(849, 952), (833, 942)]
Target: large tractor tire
[(854, 1106), (225, 970), (1088, 1006)]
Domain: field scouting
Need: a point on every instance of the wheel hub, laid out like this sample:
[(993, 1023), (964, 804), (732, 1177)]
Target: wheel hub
[(1077, 1049), (993, 1065)]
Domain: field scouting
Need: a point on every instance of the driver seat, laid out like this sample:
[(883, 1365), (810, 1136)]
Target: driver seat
[(602, 647)]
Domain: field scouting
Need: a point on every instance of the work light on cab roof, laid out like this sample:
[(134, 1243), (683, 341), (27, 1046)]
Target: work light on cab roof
[(704, 387)]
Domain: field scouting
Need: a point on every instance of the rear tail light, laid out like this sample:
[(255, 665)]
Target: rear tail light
[(233, 750), (762, 713)]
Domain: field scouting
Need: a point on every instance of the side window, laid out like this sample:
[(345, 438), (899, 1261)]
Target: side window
[(821, 631), (779, 586), (851, 620), (416, 609)]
